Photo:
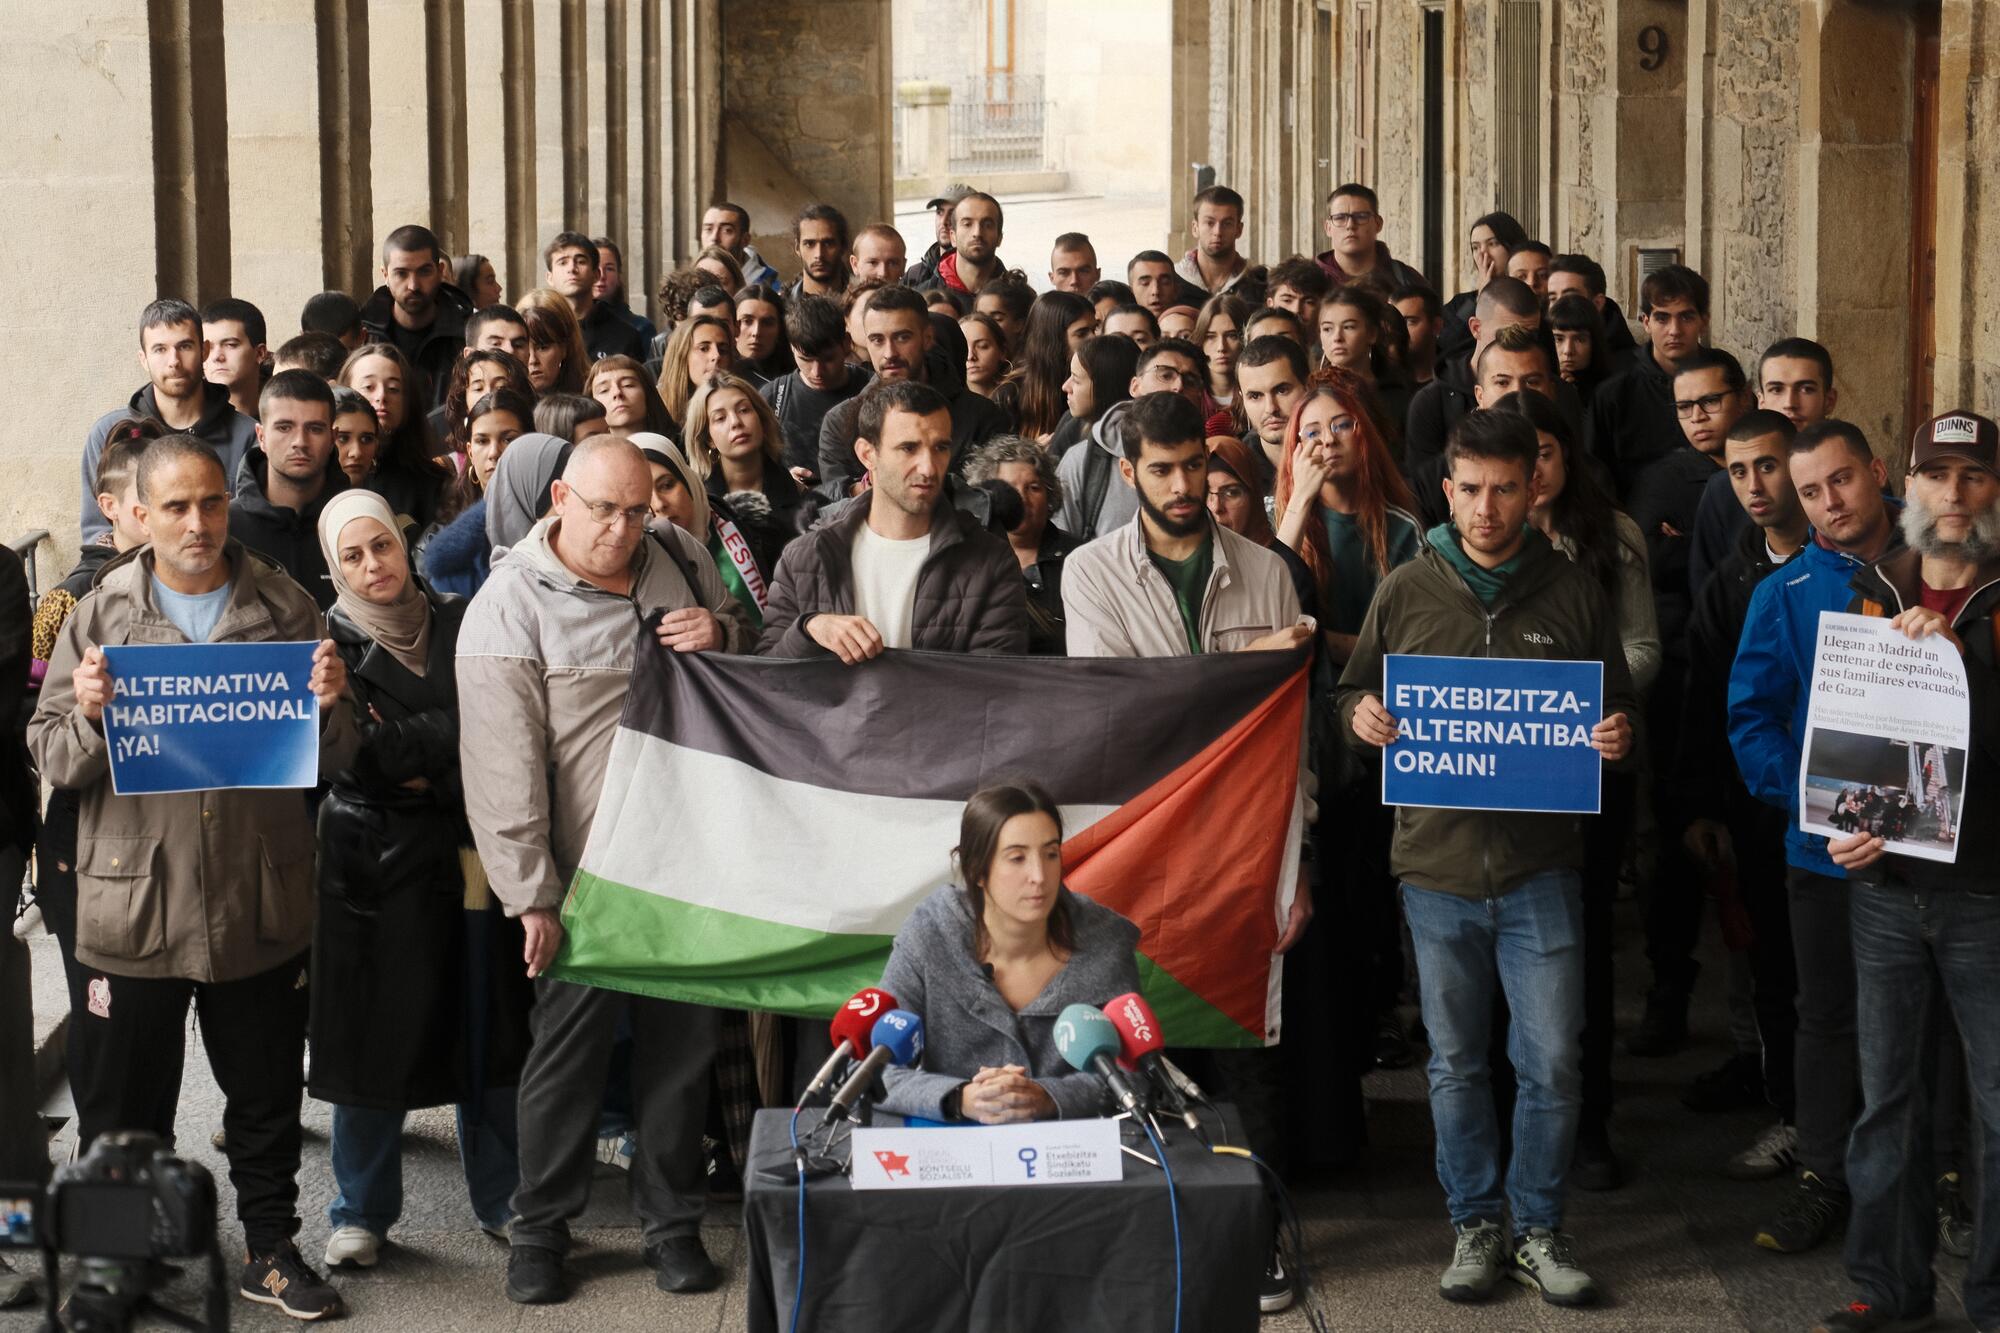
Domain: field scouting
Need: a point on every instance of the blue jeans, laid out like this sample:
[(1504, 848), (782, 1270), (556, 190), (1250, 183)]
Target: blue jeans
[(1909, 947), (1528, 945), (368, 1164)]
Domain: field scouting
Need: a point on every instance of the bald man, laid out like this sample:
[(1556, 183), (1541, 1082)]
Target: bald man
[(547, 655)]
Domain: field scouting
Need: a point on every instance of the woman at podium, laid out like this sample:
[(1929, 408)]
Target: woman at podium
[(989, 963)]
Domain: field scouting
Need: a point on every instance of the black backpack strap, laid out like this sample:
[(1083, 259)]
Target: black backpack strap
[(1096, 482), (675, 554)]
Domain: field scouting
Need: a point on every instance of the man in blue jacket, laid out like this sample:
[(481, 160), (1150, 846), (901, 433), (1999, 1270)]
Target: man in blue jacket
[(1839, 482)]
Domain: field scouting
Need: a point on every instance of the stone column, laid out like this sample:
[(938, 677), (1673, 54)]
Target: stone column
[(274, 213)]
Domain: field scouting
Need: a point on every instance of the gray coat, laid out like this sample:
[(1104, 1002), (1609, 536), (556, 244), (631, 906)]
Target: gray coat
[(932, 973)]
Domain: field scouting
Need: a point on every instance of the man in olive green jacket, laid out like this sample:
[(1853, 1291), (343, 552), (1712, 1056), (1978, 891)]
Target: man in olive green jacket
[(1494, 900), (196, 897)]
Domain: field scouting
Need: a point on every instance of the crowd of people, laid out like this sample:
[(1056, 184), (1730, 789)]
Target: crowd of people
[(467, 499)]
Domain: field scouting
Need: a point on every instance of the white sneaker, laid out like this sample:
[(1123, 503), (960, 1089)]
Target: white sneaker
[(1476, 1259), (1774, 1154), (1543, 1262), (353, 1247)]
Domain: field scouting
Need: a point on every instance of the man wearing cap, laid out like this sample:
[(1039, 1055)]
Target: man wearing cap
[(1921, 924), (924, 272)]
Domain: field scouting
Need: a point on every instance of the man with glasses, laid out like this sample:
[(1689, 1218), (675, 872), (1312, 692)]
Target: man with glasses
[(1709, 395), (547, 650), (1631, 417), (1354, 226)]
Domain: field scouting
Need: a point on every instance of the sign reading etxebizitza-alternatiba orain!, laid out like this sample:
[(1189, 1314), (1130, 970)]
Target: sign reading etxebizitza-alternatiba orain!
[(1493, 733), (211, 716)]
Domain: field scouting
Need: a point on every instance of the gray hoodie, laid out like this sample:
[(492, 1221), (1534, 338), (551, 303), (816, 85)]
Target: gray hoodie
[(543, 659), (1085, 515)]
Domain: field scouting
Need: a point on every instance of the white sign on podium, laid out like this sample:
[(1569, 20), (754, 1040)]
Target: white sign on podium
[(1044, 1152)]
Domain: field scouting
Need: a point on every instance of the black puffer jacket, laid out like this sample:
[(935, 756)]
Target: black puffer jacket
[(970, 595), (443, 341), (417, 999)]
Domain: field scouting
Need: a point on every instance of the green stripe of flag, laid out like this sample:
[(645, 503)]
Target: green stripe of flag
[(646, 944)]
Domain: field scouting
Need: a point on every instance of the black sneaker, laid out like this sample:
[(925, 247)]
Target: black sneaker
[(1816, 1210), (535, 1276), (1392, 1048), (1734, 1085), (679, 1263), (1664, 1029), (1954, 1218), (1860, 1317), (723, 1180), (283, 1279), (1594, 1165), (1274, 1289)]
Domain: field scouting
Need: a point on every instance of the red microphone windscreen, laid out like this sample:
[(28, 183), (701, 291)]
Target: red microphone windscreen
[(856, 1018), (1138, 1030)]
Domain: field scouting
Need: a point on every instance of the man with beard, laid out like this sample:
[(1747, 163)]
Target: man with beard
[(176, 396), (1922, 925), (904, 568), (899, 333), (288, 478), (417, 310), (1174, 582), (820, 235), (974, 261), (1839, 483)]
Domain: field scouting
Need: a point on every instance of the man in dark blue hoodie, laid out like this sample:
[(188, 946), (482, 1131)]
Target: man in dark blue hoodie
[(176, 396), (1839, 482)]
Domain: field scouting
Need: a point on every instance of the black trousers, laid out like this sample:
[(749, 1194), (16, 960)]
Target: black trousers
[(1604, 839), (254, 1030), (1757, 832), (86, 1061), (1673, 896), (24, 1147), (1827, 1059)]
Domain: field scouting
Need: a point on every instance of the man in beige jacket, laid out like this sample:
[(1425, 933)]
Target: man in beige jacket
[(543, 659), (196, 897), (1174, 582)]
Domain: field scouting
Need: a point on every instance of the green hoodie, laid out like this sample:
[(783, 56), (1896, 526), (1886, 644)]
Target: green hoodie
[(1486, 584), (1543, 607)]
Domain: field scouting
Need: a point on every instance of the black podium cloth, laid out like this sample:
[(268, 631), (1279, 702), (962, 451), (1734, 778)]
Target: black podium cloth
[(1001, 1259)]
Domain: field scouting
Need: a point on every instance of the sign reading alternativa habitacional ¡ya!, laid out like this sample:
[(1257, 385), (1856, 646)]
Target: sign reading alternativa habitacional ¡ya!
[(1493, 733), (211, 716)]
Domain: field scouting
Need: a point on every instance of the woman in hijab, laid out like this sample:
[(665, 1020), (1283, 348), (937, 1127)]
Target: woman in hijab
[(457, 558), (414, 1002), (744, 555)]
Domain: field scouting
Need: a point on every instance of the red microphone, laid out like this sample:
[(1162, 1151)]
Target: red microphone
[(850, 1032), (1141, 1047)]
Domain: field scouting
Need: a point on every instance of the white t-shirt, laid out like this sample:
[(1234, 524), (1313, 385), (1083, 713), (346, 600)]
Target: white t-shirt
[(885, 582)]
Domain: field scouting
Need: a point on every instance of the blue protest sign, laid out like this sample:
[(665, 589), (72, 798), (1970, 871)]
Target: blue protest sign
[(1492, 733), (208, 716)]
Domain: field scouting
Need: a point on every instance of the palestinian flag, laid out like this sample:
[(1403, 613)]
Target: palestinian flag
[(766, 825)]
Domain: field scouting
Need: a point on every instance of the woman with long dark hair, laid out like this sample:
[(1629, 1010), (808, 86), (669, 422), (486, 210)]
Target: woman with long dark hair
[(763, 350), (475, 375), (990, 963), (418, 996), (473, 275), (631, 402), (1100, 378), (1218, 332), (1491, 238), (1057, 324), (1352, 321), (406, 473), (1582, 345)]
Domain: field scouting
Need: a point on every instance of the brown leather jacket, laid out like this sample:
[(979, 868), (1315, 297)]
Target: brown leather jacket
[(209, 885)]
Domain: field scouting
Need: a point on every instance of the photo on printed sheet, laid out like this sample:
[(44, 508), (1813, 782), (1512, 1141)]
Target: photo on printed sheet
[(1908, 792)]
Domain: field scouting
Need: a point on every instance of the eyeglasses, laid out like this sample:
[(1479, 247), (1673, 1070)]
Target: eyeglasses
[(606, 514), (1350, 219), (1168, 375), (1338, 428), (1231, 493), (1687, 409)]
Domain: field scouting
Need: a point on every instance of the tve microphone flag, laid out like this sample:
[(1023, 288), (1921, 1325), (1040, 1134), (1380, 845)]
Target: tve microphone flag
[(766, 826)]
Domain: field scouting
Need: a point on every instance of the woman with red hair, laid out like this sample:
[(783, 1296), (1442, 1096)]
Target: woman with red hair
[(1342, 503)]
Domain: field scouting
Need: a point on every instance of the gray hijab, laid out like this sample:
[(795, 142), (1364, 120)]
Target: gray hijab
[(518, 492)]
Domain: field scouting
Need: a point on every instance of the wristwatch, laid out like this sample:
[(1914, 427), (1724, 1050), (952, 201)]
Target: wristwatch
[(951, 1103)]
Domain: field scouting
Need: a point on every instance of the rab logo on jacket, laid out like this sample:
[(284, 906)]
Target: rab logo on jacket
[(1537, 637)]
